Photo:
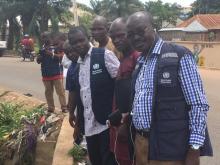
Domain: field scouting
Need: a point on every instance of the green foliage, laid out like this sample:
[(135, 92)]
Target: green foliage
[(97, 6), (34, 15), (66, 18), (78, 153), (205, 7), (9, 118), (86, 20), (85, 8), (11, 115), (163, 13), (18, 132), (112, 9)]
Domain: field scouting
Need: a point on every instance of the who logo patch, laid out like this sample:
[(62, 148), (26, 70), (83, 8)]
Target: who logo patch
[(166, 75), (95, 66)]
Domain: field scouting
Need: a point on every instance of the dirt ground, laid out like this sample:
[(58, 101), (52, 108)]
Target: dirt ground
[(6, 95), (211, 81)]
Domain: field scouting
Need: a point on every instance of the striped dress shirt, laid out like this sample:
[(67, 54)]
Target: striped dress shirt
[(191, 85)]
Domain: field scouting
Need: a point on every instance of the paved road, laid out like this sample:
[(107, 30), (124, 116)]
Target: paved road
[(25, 77), (211, 80)]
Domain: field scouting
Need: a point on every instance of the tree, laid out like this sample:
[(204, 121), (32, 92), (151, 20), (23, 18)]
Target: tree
[(97, 6), (163, 13), (86, 20), (8, 12), (85, 7), (112, 9), (44, 10), (34, 15), (205, 7)]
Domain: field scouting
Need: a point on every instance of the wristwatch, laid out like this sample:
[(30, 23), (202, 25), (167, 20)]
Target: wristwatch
[(195, 147), (52, 53)]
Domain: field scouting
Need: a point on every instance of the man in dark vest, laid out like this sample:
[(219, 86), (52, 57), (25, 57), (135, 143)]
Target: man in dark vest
[(92, 92), (169, 104)]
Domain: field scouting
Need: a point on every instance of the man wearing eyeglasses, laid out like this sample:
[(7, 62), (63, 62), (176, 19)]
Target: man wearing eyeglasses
[(169, 104)]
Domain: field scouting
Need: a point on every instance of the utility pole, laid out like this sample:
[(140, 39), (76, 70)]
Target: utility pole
[(76, 19)]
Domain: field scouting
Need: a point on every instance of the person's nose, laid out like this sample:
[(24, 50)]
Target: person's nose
[(78, 45), (136, 37)]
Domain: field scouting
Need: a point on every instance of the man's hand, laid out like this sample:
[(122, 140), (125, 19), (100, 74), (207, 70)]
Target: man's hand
[(192, 157), (72, 120), (39, 59), (48, 52), (76, 132), (108, 123), (71, 107)]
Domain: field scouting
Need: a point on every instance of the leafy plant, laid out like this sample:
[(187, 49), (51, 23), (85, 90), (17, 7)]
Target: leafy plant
[(18, 132), (78, 153), (9, 118), (11, 115)]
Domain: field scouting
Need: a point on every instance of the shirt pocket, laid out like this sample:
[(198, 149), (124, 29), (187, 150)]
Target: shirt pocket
[(168, 72)]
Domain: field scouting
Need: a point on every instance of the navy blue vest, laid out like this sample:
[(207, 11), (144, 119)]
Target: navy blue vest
[(169, 133), (102, 88)]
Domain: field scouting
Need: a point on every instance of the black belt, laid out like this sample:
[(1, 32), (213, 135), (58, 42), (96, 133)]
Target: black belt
[(143, 132)]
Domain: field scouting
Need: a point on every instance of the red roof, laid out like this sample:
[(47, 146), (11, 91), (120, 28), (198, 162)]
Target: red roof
[(209, 21)]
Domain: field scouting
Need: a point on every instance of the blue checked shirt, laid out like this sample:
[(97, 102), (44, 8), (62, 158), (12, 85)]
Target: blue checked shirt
[(192, 89)]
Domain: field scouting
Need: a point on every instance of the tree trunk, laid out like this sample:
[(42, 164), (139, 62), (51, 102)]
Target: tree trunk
[(43, 17), (11, 34), (44, 24), (26, 20)]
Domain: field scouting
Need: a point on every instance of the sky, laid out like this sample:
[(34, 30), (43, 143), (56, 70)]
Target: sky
[(183, 3)]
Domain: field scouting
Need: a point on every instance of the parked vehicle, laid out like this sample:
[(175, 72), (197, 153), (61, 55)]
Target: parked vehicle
[(3, 47)]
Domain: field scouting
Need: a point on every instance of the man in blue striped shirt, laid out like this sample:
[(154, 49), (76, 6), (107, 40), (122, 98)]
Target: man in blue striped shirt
[(170, 107)]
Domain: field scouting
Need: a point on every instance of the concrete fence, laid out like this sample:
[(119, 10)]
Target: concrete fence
[(209, 51)]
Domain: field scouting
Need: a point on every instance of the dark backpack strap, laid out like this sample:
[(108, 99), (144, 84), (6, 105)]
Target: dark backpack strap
[(98, 51), (98, 54)]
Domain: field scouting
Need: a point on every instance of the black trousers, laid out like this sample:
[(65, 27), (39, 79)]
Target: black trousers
[(99, 150)]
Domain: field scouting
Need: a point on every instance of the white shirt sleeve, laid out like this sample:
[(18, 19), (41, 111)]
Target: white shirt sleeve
[(66, 62), (112, 63)]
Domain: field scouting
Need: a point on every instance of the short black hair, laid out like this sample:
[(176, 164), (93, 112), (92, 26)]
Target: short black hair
[(77, 29), (45, 38), (58, 36), (102, 20)]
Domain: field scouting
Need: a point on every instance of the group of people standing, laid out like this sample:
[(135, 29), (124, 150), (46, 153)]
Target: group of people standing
[(137, 99)]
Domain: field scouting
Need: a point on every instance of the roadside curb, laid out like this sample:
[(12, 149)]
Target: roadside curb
[(12, 56), (64, 144)]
